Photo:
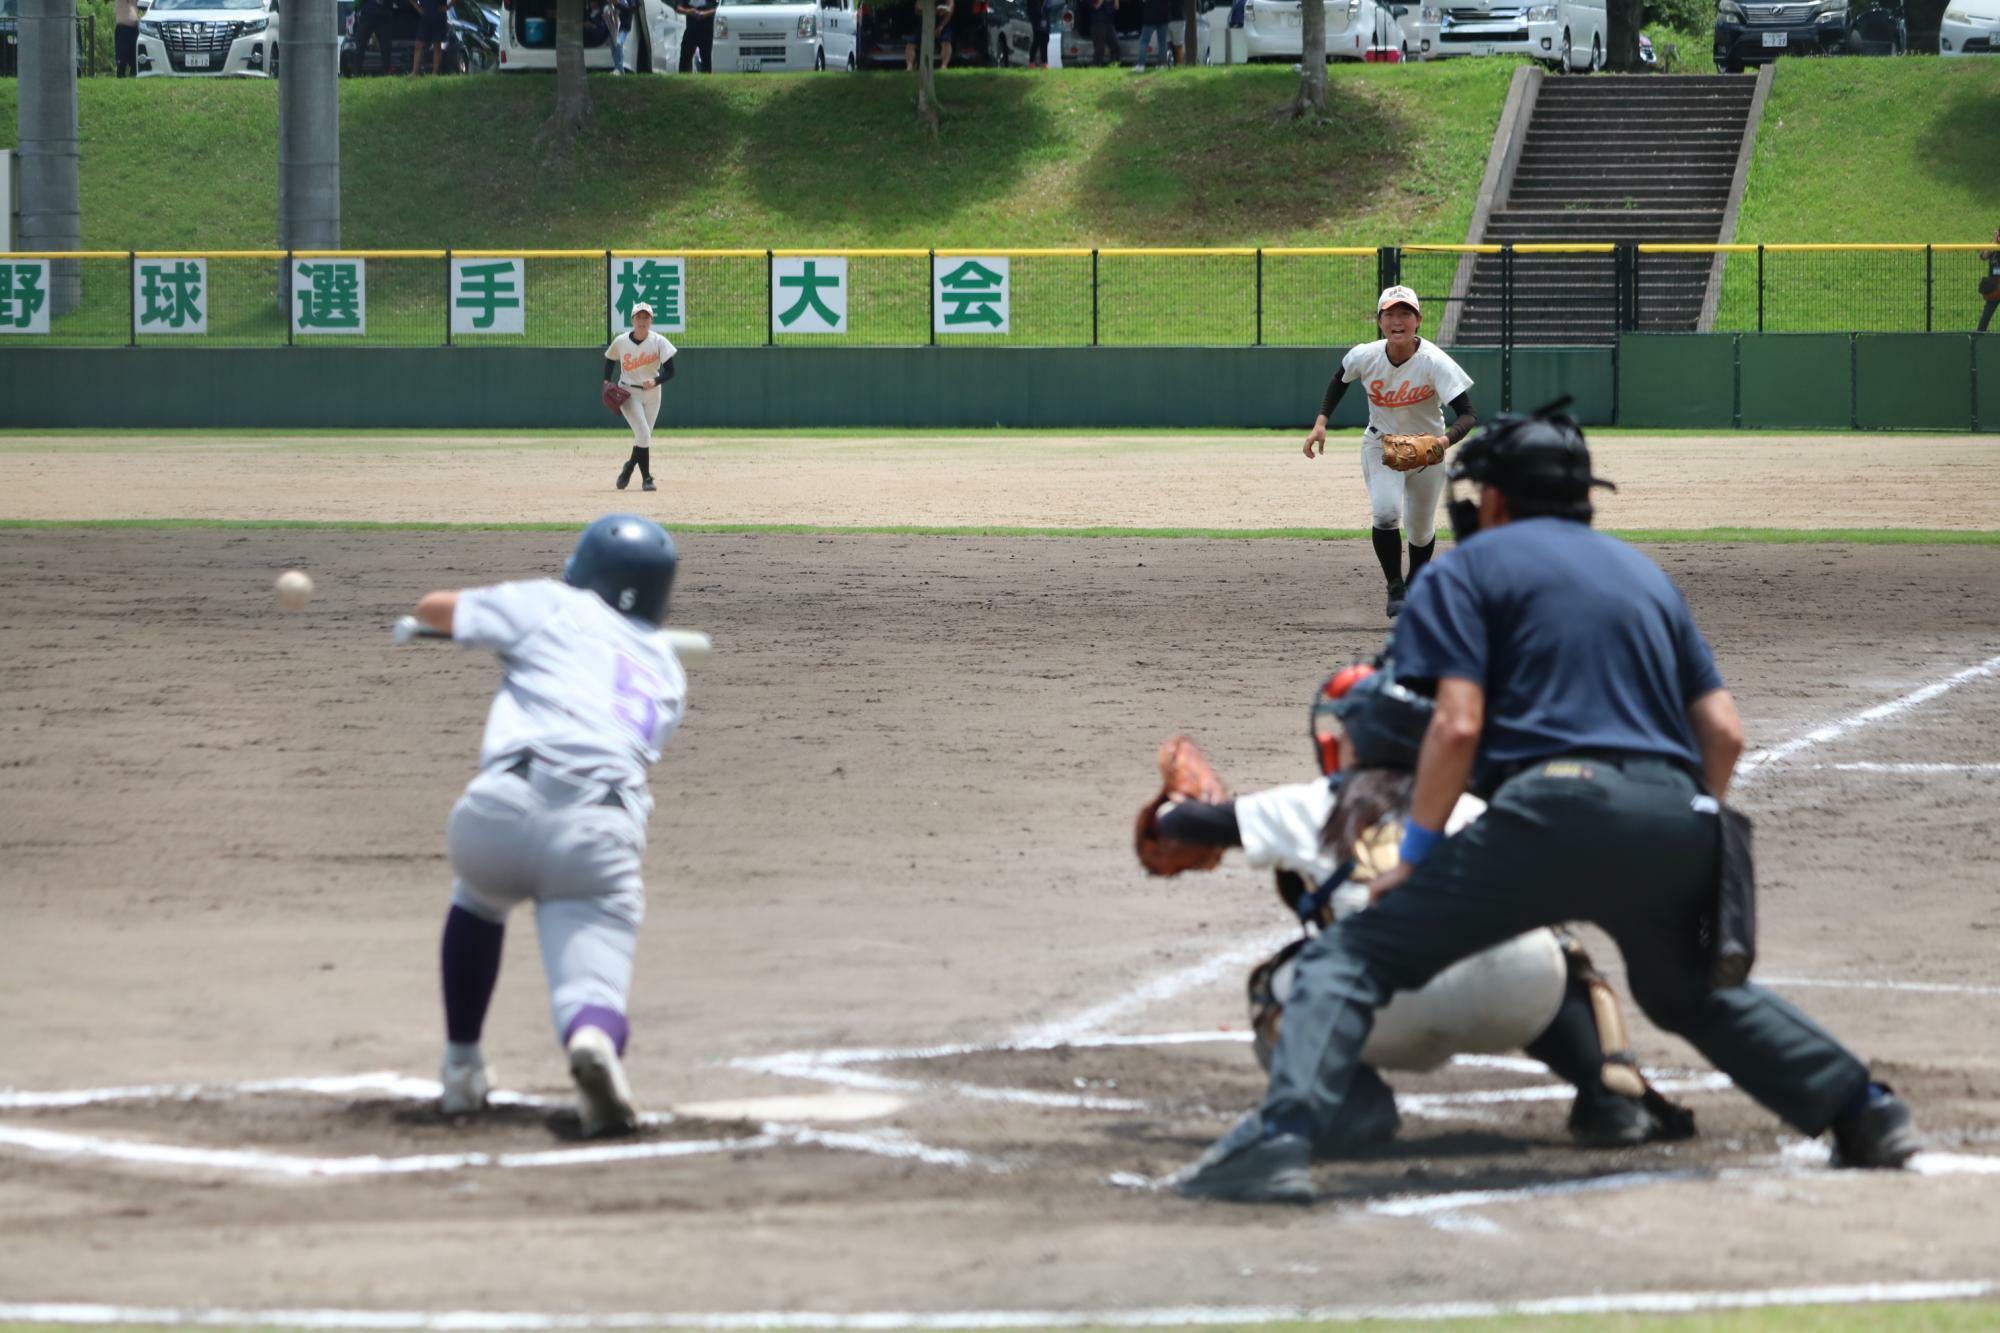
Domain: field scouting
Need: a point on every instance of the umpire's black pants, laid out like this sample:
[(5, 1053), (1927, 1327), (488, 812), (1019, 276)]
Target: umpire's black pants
[(1615, 841), (698, 37)]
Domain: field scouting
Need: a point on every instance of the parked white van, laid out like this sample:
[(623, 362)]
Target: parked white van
[(528, 38), (1355, 30), (198, 37), (1568, 34), (776, 35)]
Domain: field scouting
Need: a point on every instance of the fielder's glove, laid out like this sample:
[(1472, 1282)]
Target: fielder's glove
[(615, 396), (1407, 453), (1185, 775)]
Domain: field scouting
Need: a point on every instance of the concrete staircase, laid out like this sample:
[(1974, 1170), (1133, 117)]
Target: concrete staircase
[(1610, 158)]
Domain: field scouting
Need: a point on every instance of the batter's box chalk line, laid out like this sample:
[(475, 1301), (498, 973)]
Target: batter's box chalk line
[(84, 1148)]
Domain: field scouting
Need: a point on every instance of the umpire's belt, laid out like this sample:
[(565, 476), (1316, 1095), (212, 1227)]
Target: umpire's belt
[(523, 768), (1618, 759)]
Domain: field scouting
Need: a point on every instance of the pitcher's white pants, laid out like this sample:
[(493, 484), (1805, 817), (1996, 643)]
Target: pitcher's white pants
[(641, 410), (1408, 500)]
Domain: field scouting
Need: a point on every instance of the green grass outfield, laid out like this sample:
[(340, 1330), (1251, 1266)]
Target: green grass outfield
[(1933, 1317), (1735, 536)]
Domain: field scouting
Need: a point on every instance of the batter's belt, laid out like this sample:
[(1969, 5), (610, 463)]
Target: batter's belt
[(543, 779)]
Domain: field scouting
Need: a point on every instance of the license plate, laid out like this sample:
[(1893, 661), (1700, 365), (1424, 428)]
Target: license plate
[(748, 66), (1777, 39), (196, 60)]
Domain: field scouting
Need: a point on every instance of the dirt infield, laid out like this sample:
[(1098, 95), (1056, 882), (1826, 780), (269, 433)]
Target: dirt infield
[(895, 827), (1179, 481)]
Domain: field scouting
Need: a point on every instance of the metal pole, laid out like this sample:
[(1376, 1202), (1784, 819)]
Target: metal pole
[(1507, 327), (132, 294), (1927, 289), (933, 293), (290, 264), (1093, 298), (1760, 288), (447, 298), (610, 302), (1260, 296), (770, 296), (51, 199)]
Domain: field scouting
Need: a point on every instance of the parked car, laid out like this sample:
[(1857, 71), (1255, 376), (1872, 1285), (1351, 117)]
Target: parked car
[(209, 37), (1750, 32), (472, 39), (1970, 28), (1879, 29), (1569, 35), (1211, 16), (528, 38), (777, 35), (1355, 30), (857, 34)]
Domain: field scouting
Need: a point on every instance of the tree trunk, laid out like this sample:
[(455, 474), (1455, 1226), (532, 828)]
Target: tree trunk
[(572, 93), (1621, 35), (1190, 50), (1311, 103), (928, 109), (51, 199)]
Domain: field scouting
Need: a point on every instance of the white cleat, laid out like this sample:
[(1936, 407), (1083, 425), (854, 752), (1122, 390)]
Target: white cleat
[(465, 1089), (604, 1098)]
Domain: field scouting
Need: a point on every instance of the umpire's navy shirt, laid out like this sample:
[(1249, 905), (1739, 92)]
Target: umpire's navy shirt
[(1580, 642)]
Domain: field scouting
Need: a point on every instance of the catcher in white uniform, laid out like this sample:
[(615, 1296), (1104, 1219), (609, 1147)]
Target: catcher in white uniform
[(557, 815), (636, 364), (1402, 451), (1327, 840)]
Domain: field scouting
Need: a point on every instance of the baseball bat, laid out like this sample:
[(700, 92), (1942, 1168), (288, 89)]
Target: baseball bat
[(690, 645)]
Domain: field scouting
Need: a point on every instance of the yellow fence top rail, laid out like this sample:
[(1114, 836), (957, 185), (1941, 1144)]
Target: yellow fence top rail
[(1310, 251)]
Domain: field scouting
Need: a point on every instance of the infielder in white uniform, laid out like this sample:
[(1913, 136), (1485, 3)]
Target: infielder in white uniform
[(557, 815), (640, 361), (1409, 381), (1328, 839)]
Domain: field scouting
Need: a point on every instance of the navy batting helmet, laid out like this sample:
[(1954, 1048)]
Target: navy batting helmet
[(1384, 721), (627, 560)]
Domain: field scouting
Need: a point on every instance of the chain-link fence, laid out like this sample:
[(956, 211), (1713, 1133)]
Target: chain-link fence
[(1472, 295)]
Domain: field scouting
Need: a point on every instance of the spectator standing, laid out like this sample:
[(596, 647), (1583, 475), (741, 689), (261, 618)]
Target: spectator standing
[(432, 34), (623, 12), (1038, 28), (699, 36), (1103, 32), (128, 38), (1153, 20), (1989, 286), (371, 21), (944, 42)]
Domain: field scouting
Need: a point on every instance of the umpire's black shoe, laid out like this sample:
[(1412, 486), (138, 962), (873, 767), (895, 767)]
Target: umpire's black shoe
[(625, 475), (1611, 1122), (1878, 1131), (1247, 1165), (1398, 593), (1368, 1119)]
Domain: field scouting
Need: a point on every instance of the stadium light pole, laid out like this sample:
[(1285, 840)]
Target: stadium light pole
[(51, 194), (308, 130)]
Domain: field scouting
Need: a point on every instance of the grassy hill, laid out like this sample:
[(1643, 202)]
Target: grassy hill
[(1077, 157)]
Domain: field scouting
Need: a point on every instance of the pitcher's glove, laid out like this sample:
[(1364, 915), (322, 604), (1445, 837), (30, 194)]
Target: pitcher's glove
[(1407, 453), (615, 396), (1185, 775)]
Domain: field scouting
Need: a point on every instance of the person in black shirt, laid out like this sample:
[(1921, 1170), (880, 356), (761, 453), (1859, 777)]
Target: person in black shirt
[(1989, 286), (699, 38), (1573, 689)]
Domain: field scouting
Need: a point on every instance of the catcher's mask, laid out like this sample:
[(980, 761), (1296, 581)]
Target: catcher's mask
[(1323, 723), (627, 560), (1385, 722), (1539, 462)]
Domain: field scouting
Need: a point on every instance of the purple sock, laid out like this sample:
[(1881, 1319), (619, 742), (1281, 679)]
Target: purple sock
[(608, 1021), (471, 967)]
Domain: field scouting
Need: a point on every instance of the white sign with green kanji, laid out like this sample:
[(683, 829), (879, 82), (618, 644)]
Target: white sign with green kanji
[(658, 280), (329, 296), (24, 296), (170, 296), (489, 296), (969, 295), (809, 296)]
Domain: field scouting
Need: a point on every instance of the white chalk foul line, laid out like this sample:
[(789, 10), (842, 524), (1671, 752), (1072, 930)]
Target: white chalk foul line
[(1843, 983), (1905, 768), (1754, 764), (895, 1321), (1157, 989)]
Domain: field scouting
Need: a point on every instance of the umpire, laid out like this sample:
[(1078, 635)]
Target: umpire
[(1575, 691)]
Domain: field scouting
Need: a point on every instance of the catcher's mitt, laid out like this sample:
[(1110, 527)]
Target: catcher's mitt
[(616, 396), (1407, 453), (1185, 775)]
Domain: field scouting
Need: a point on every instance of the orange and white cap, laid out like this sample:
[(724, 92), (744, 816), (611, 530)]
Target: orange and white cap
[(1397, 295)]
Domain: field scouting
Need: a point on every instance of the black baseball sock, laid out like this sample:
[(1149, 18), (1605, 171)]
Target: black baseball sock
[(645, 457), (1421, 556), (1389, 550), (471, 967)]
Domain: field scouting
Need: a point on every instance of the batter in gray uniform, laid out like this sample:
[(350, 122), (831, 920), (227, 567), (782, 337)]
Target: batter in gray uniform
[(557, 816)]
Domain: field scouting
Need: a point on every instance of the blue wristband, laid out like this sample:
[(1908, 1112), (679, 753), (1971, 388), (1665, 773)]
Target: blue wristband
[(1417, 843)]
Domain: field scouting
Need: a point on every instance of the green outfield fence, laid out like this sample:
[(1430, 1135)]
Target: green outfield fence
[(1494, 296)]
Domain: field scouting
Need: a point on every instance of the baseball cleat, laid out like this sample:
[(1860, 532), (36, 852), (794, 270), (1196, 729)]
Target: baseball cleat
[(465, 1088), (1878, 1133), (624, 476), (1368, 1119), (1248, 1166), (649, 486), (1398, 592), (1611, 1122), (604, 1098)]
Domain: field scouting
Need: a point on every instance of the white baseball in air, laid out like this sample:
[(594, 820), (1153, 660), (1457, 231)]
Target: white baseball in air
[(295, 589), (690, 645)]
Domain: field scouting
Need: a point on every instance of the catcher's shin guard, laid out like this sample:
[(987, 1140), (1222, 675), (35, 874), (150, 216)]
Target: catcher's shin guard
[(1619, 1073)]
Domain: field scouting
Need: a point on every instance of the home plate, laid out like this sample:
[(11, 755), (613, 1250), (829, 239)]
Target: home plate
[(827, 1106)]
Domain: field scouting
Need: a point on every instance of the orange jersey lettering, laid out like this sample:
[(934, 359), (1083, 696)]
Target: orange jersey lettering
[(1403, 395)]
